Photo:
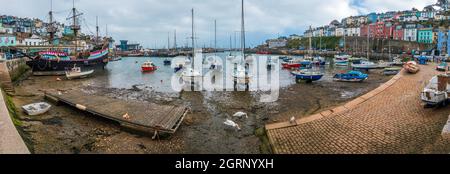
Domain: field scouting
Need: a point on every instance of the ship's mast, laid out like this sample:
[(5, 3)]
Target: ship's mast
[(51, 29), (75, 28), (96, 37)]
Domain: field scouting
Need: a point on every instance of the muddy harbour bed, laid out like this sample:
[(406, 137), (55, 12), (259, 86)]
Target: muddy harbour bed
[(67, 130)]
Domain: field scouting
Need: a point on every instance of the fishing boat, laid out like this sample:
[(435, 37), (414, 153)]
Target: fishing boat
[(148, 67), (442, 67), (341, 60), (167, 62), (319, 61), (392, 71), (351, 76), (436, 92), (291, 64), (56, 63), (412, 67), (308, 76), (76, 73), (36, 108), (365, 65)]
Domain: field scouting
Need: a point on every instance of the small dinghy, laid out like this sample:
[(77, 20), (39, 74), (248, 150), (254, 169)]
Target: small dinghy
[(76, 73), (36, 108)]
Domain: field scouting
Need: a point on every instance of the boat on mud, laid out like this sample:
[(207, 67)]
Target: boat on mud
[(412, 67), (308, 76), (442, 67), (437, 91), (392, 71), (76, 73), (351, 76), (36, 108)]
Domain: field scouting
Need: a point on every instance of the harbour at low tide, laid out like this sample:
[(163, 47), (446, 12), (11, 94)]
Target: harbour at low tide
[(67, 130)]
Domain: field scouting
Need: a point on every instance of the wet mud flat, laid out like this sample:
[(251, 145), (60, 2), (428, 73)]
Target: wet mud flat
[(67, 130)]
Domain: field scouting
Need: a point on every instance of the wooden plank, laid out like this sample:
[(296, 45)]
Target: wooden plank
[(146, 115)]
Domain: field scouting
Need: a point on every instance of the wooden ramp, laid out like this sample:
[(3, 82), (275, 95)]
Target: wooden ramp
[(142, 115)]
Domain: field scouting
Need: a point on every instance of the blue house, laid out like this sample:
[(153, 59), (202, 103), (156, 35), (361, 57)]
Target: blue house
[(372, 18), (443, 44)]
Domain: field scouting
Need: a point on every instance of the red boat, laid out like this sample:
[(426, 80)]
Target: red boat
[(263, 52), (291, 65), (149, 67)]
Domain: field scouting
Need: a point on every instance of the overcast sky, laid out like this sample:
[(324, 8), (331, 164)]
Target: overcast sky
[(149, 21)]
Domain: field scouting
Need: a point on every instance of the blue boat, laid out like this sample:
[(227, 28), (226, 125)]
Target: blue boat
[(167, 62), (178, 68), (351, 76), (308, 76)]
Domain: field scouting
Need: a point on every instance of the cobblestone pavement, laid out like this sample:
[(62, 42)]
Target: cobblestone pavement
[(389, 120)]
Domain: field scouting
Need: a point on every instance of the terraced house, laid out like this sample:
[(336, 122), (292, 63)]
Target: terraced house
[(425, 35)]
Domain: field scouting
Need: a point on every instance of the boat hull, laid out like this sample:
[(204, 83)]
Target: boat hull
[(55, 67), (148, 69), (290, 66), (81, 75)]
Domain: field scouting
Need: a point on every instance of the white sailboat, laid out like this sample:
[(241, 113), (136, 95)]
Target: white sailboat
[(190, 74)]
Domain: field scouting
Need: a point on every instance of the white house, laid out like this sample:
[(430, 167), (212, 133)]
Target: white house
[(34, 40), (353, 31), (410, 33), (276, 43), (340, 31)]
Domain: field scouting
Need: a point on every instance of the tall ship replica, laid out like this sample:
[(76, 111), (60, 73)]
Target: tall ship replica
[(55, 62)]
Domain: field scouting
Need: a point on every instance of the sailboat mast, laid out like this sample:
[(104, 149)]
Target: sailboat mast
[(215, 35), (175, 40), (243, 31), (168, 41), (193, 41), (368, 40), (310, 41)]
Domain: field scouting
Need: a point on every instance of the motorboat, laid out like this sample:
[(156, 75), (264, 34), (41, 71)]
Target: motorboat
[(351, 76), (36, 108), (190, 73), (291, 64), (148, 67), (76, 73), (366, 65)]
